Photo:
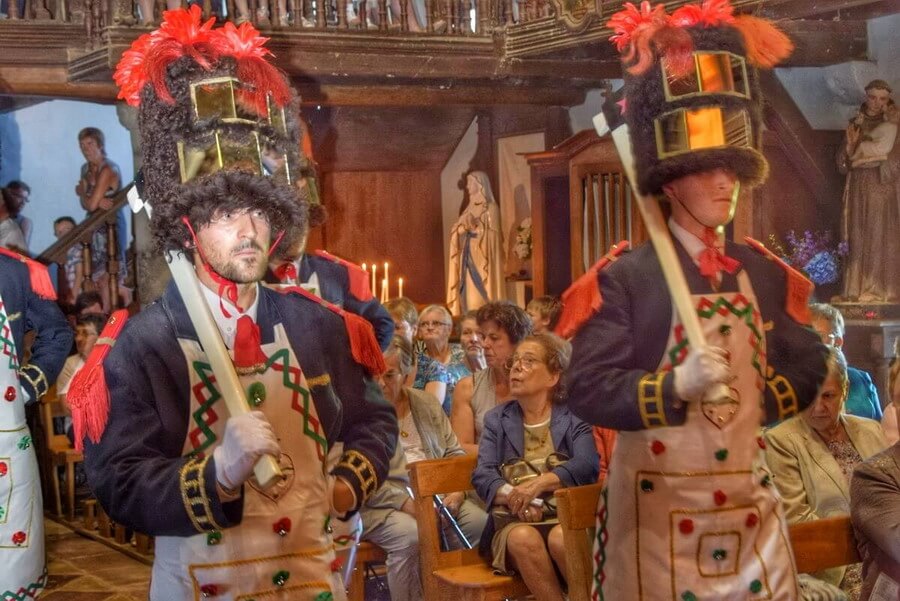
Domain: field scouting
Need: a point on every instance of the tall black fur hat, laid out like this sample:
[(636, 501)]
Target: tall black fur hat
[(692, 100), (219, 126)]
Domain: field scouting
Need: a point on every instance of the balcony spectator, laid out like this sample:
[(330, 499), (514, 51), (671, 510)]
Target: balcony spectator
[(11, 235), (73, 267), (18, 194)]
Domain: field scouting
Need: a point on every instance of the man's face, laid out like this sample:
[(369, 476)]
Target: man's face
[(708, 197), (826, 332), (85, 338), (236, 245), (18, 197), (62, 228), (876, 101)]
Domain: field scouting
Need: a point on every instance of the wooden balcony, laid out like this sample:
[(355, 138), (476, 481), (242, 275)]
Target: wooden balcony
[(468, 52)]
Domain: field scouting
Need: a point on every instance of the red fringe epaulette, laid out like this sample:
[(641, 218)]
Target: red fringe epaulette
[(359, 279), (37, 274), (799, 287), (363, 344), (88, 395), (582, 299)]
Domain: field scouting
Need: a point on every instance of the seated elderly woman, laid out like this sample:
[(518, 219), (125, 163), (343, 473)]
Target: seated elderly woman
[(432, 376), (389, 515), (503, 325), (875, 511), (812, 456), (472, 342), (435, 325), (530, 447)]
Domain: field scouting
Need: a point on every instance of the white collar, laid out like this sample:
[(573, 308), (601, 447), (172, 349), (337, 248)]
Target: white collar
[(691, 243), (228, 325)]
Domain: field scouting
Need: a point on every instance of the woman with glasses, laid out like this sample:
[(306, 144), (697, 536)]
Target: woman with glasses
[(431, 376), (531, 446), (435, 325), (389, 515), (503, 325)]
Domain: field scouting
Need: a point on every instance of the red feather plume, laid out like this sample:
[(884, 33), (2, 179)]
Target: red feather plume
[(709, 13), (245, 45), (181, 34), (631, 20)]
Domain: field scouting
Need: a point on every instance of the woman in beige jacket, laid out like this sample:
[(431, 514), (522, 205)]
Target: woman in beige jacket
[(812, 456)]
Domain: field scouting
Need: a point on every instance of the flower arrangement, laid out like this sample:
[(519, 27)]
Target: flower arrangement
[(522, 247), (814, 253)]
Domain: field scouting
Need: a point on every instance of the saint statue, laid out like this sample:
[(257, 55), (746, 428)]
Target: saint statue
[(476, 250), (871, 203)]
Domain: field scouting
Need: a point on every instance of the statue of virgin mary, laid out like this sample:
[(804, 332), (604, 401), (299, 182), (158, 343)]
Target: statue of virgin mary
[(476, 250)]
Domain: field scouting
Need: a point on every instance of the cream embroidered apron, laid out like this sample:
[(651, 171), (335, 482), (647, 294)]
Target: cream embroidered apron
[(689, 512), (282, 549), (23, 574)]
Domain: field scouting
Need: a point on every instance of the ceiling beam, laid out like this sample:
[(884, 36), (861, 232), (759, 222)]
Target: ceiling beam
[(804, 9), (820, 43)]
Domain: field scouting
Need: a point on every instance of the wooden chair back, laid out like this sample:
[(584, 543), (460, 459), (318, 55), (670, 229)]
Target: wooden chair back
[(458, 574), (52, 406), (825, 543), (577, 509)]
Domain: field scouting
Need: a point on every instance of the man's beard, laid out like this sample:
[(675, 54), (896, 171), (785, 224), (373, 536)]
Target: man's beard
[(241, 270)]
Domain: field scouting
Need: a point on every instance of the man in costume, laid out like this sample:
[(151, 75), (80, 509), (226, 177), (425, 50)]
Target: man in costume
[(26, 304), (220, 150), (688, 511)]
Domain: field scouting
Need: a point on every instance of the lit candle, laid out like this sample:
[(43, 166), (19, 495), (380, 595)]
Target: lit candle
[(365, 268), (374, 279), (400, 287), (384, 290), (387, 278)]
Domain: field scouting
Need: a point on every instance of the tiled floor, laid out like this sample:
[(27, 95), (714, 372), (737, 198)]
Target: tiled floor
[(84, 570)]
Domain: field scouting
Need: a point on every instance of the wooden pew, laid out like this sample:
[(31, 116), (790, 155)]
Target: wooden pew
[(452, 575), (817, 545)]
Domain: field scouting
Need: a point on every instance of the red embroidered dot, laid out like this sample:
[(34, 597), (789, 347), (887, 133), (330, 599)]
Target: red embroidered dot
[(720, 497), (752, 520), (761, 442), (209, 590), (337, 564), (282, 526), (657, 447), (18, 538), (686, 526), (4, 469), (10, 394)]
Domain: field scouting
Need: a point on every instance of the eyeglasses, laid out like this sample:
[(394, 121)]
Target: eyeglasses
[(432, 324), (525, 362)]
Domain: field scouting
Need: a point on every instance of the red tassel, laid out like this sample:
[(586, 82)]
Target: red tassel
[(37, 274), (359, 279), (582, 299), (286, 273), (799, 287), (248, 353), (88, 395), (363, 344)]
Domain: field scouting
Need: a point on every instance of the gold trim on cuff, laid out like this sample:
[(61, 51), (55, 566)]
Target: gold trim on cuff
[(364, 471), (193, 494), (650, 400), (35, 383), (785, 396), (323, 380)]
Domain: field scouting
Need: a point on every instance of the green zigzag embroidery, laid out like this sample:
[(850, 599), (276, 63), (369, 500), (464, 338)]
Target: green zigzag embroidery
[(745, 314), (203, 371), (4, 341), (600, 553), (311, 425), (28, 592)]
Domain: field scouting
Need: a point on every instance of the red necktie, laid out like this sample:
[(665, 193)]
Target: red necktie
[(248, 353), (712, 261)]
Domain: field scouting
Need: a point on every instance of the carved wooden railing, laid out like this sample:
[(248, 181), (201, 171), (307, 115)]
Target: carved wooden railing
[(83, 234)]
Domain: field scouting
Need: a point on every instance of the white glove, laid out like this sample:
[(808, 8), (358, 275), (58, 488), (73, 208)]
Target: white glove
[(704, 367), (247, 438)]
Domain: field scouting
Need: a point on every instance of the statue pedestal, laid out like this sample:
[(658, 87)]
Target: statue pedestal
[(871, 330)]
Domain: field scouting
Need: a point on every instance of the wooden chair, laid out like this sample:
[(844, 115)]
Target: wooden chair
[(452, 575), (826, 543), (60, 452), (366, 553), (577, 510)]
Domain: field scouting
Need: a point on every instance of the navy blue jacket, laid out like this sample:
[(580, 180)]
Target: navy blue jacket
[(503, 438), (136, 468), (27, 311), (626, 340), (334, 286)]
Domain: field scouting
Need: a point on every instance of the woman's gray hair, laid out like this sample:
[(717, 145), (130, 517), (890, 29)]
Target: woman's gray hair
[(404, 351), (557, 356)]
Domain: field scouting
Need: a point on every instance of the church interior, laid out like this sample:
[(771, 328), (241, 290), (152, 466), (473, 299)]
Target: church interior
[(413, 112)]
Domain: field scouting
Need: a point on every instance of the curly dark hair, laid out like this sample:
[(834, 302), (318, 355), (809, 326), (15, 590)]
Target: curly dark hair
[(511, 318), (164, 125)]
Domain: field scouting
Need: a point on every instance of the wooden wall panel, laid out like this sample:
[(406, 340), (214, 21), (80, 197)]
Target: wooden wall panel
[(389, 216)]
